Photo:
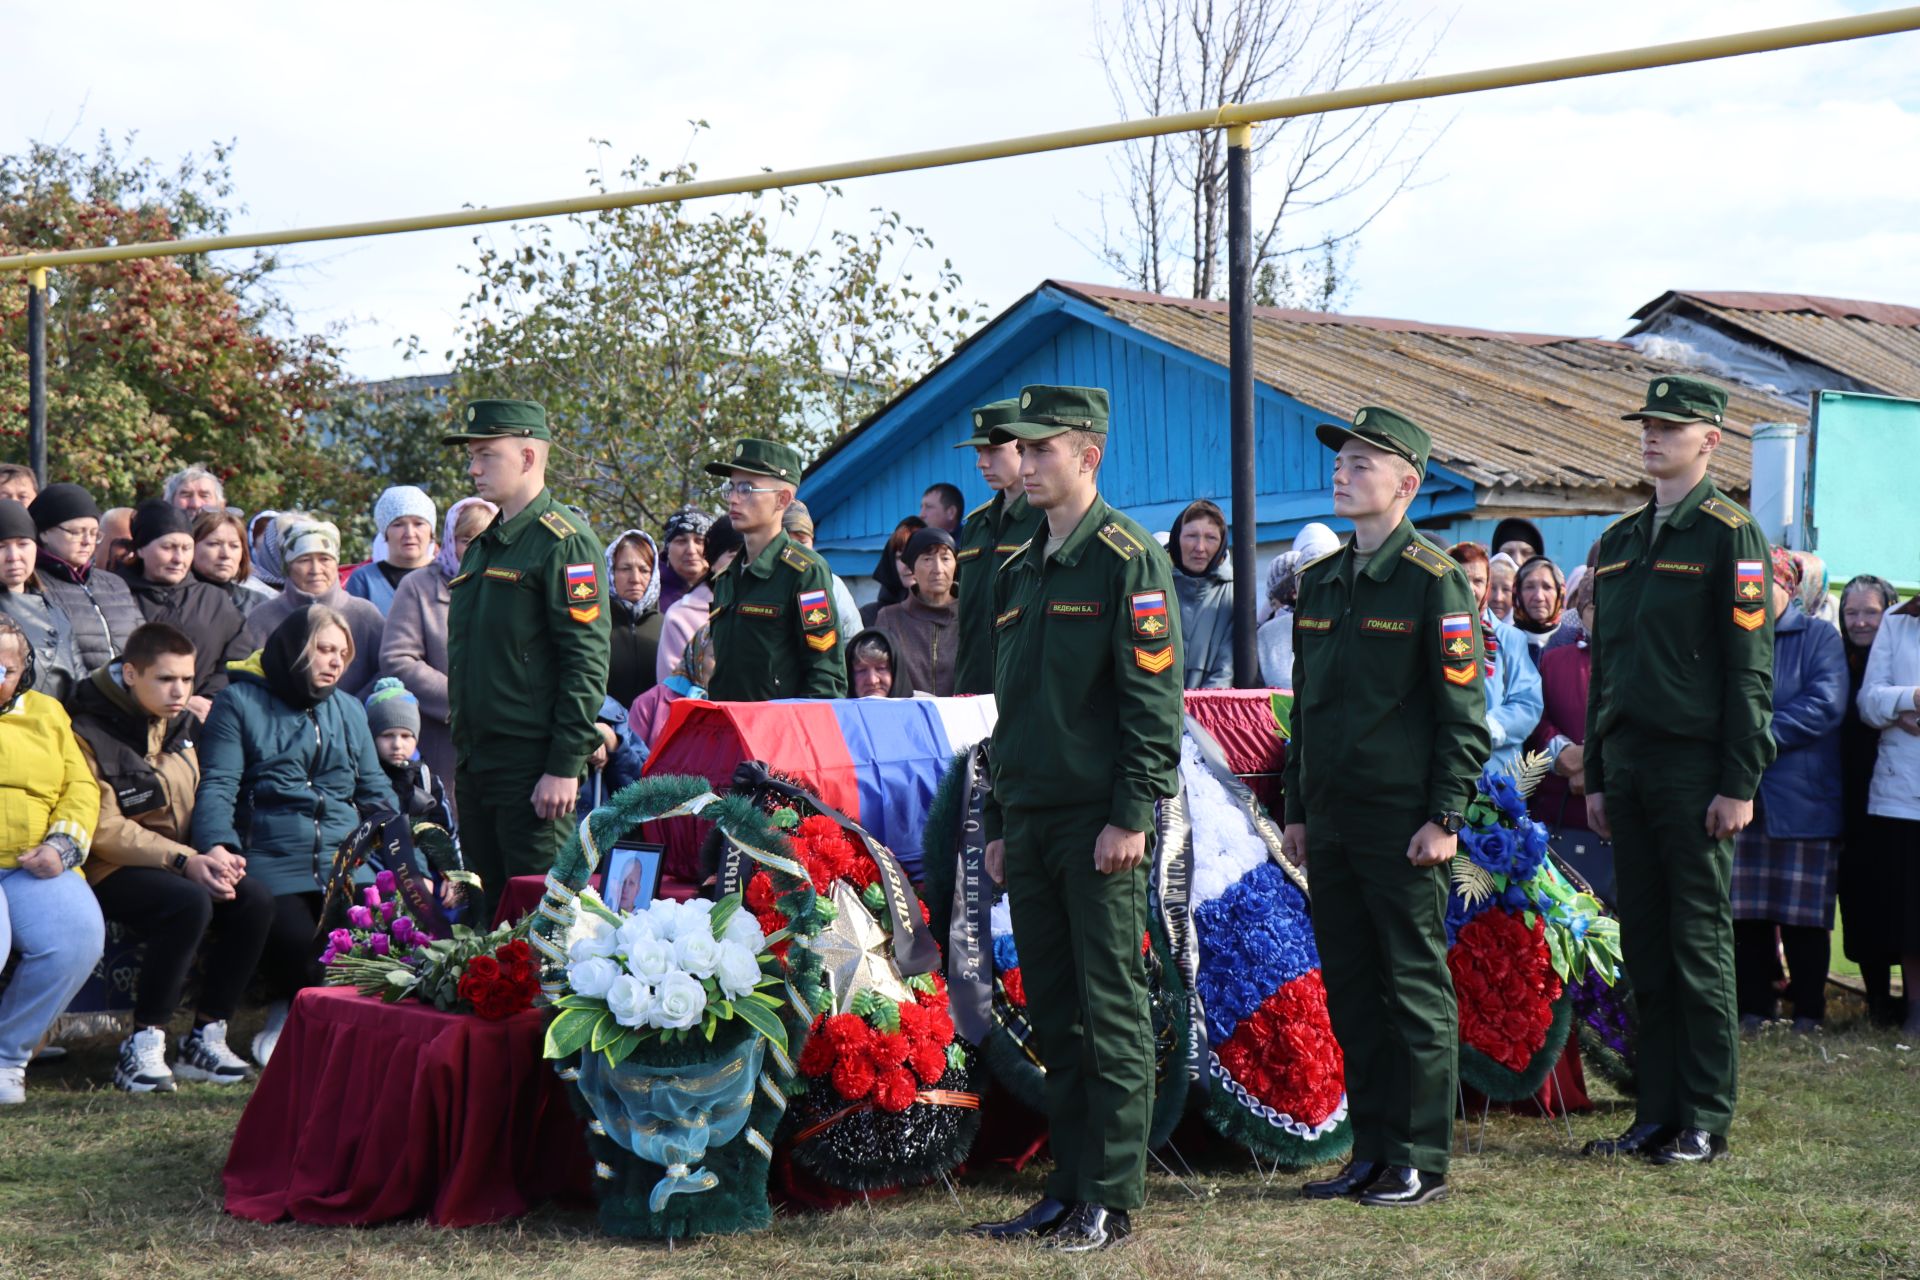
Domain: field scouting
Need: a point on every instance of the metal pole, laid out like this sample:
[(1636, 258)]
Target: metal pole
[(37, 374), (1246, 525), (1801, 35)]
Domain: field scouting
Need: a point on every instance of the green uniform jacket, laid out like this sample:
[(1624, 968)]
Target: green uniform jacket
[(1087, 672), (994, 530), (1683, 639), (774, 632), (1389, 712), (527, 640)]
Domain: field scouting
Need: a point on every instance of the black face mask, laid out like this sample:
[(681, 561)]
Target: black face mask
[(280, 662)]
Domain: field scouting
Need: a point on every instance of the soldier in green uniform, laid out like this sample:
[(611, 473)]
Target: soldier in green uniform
[(527, 643), (1389, 738), (1087, 667), (1679, 730), (775, 634), (993, 531)]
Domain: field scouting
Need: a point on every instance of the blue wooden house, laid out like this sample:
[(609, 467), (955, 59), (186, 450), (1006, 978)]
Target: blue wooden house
[(1523, 424)]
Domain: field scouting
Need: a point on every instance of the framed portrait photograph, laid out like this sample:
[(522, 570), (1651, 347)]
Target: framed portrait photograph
[(633, 875)]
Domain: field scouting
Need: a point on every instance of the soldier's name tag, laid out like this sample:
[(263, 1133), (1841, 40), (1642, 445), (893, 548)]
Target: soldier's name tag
[(759, 610), (1685, 568), (1149, 610), (1387, 626), (502, 575), (1073, 608), (1305, 623), (1008, 618), (969, 553), (1615, 567)]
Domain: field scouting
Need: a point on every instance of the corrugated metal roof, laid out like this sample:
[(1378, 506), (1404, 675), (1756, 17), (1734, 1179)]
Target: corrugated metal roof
[(1875, 343), (1503, 408)]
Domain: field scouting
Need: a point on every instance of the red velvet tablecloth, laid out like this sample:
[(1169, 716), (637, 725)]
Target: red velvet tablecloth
[(1241, 721), (372, 1111)]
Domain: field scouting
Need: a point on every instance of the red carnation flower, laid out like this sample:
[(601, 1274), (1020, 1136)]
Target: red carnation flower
[(818, 1056), (1015, 987), (888, 1050), (853, 1077), (760, 893), (849, 1032), (929, 1062), (1505, 985), (894, 1090), (914, 1022)]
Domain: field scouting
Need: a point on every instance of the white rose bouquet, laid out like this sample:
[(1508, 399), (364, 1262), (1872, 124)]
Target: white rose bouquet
[(669, 973)]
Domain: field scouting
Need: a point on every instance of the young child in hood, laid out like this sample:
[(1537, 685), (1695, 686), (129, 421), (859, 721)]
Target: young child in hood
[(393, 714)]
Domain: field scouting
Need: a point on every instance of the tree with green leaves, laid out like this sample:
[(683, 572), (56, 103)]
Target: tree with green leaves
[(654, 334), (157, 363)]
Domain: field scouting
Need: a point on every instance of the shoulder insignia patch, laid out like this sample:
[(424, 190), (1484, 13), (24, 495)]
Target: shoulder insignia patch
[(824, 642), (816, 610), (1434, 562), (979, 509), (1016, 551), (1749, 619), (1149, 610), (1123, 544), (1153, 663), (1456, 674), (794, 558), (583, 583), (558, 525), (1725, 512), (1008, 618), (457, 579), (1456, 637), (1628, 516)]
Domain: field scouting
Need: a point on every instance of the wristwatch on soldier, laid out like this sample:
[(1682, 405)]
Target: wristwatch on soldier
[(1450, 822)]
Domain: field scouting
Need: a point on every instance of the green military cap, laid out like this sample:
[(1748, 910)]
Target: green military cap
[(1678, 399), (761, 458), (487, 419), (1383, 429), (1044, 412), (986, 418)]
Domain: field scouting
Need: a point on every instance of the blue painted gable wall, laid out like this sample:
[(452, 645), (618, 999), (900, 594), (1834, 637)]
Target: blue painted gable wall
[(1168, 445)]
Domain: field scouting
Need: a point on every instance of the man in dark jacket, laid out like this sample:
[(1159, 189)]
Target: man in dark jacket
[(97, 603), (161, 580)]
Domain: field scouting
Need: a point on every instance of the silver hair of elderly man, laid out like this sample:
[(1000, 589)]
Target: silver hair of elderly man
[(194, 472)]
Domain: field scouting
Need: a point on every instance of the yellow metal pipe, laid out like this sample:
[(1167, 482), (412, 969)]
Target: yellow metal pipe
[(37, 278), (1771, 39)]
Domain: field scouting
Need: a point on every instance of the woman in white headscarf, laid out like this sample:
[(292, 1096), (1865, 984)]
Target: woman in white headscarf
[(1274, 641)]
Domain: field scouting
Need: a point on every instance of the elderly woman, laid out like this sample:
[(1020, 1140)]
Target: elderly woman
[(683, 543), (1539, 603), (23, 599), (413, 648), (1502, 573), (96, 600), (1784, 862), (1868, 869), (48, 804), (1274, 640), (222, 559), (632, 563), (313, 577), (403, 516), (286, 768), (721, 545)]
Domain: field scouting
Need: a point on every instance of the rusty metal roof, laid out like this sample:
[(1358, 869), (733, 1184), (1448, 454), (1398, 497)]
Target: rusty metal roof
[(1875, 343), (1503, 408)]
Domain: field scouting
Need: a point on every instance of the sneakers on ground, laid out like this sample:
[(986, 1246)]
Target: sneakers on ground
[(204, 1055), (13, 1086), (270, 1034), (143, 1063)]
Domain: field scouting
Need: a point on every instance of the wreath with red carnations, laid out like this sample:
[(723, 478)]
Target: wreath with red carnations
[(1513, 1017)]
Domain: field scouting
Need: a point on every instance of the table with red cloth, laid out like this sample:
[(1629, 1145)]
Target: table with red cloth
[(371, 1111), (523, 894), (1242, 722)]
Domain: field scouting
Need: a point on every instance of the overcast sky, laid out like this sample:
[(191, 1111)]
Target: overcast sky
[(1555, 209)]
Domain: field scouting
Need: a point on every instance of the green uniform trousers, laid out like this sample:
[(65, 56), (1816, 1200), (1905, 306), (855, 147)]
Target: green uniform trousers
[(1676, 930), (1380, 924), (1078, 933), (500, 835)]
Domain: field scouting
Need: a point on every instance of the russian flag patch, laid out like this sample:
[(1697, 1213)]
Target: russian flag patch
[(583, 583), (1456, 636), (815, 609), (1749, 579), (1149, 610)]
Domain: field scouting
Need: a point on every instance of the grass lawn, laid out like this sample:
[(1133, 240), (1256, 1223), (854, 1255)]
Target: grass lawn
[(1823, 1182)]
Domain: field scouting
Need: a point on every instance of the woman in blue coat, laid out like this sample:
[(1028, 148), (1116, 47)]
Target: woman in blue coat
[(286, 768), (1785, 862)]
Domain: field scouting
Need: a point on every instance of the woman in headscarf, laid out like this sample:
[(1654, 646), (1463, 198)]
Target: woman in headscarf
[(1873, 876), (684, 542), (1539, 601), (688, 679), (1204, 585), (286, 768), (312, 549), (413, 647), (403, 517), (874, 668), (263, 538), (1274, 640), (632, 573)]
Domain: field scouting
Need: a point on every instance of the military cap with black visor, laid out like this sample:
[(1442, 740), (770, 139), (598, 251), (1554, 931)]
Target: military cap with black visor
[(500, 419), (1045, 412), (767, 458), (1383, 429), (989, 534)]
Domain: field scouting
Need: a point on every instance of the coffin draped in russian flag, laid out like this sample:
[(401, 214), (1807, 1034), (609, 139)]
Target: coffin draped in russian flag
[(876, 760)]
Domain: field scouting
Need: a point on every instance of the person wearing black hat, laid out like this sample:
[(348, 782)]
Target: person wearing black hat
[(528, 634), (1679, 734), (96, 601), (1389, 738), (162, 582), (1519, 539), (926, 625), (718, 548), (776, 633), (23, 599)]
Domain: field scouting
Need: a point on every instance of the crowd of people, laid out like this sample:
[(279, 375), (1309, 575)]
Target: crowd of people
[(197, 705)]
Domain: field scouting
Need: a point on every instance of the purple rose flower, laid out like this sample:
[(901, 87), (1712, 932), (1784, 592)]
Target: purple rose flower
[(379, 944), (326, 957), (340, 940), (388, 910), (360, 917), (403, 931), (370, 896), (384, 882)]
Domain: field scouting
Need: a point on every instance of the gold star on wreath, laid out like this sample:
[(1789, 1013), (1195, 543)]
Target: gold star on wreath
[(854, 950)]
